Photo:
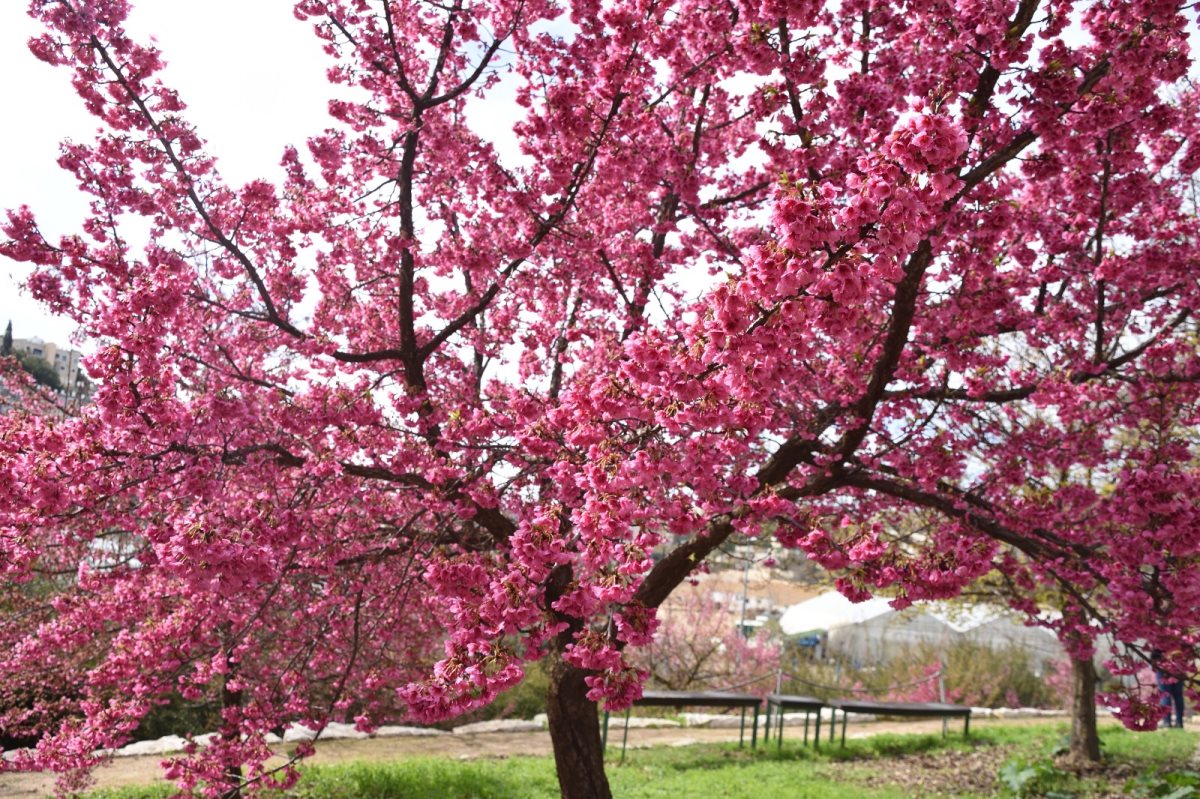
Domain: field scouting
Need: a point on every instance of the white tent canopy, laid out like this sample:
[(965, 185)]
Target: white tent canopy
[(828, 611)]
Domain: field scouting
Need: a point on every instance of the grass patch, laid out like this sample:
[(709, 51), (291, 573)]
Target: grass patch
[(880, 767), (513, 778), (1154, 749), (156, 791)]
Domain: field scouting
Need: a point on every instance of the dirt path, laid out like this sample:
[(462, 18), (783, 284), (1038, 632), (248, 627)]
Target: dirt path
[(144, 770)]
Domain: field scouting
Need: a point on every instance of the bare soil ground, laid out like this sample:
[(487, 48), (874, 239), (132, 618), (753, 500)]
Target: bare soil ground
[(945, 774), (949, 774), (924, 769)]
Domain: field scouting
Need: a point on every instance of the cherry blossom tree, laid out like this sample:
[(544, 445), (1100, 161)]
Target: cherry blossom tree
[(698, 646), (1114, 507), (1106, 486), (756, 262), (1081, 491), (21, 392)]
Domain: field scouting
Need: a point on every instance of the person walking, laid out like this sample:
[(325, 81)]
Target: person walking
[(1172, 691)]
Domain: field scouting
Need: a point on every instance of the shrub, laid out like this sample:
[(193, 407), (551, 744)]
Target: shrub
[(179, 717), (1034, 778)]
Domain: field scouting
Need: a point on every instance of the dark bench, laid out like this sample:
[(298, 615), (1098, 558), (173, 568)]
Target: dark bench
[(907, 709), (681, 699), (783, 702)]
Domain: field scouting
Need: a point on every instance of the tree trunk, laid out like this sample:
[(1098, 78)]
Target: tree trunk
[(1085, 739), (231, 698), (575, 734)]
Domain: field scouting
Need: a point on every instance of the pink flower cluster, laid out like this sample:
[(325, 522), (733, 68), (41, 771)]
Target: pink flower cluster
[(909, 289)]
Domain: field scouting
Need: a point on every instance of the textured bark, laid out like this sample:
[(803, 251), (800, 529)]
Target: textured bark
[(231, 698), (575, 734), (1085, 739)]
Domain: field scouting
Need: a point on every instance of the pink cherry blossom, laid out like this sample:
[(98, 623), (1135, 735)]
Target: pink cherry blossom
[(908, 287)]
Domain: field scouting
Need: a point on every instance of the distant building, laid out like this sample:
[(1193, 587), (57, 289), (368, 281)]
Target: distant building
[(76, 388), (66, 362), (751, 597)]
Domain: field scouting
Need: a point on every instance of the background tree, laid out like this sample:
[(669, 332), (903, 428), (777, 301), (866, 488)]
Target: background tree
[(20, 392), (42, 371), (698, 646), (1108, 491), (1013, 584), (507, 375)]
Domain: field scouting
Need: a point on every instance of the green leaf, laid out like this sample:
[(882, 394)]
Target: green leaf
[(1180, 793)]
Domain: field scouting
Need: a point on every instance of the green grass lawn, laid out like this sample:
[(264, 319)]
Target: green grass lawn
[(880, 767)]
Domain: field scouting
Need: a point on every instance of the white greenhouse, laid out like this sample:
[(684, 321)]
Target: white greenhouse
[(866, 632)]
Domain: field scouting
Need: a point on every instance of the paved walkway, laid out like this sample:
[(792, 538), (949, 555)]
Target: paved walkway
[(144, 770)]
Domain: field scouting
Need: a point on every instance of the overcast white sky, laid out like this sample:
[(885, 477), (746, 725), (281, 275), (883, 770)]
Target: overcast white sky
[(252, 75)]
